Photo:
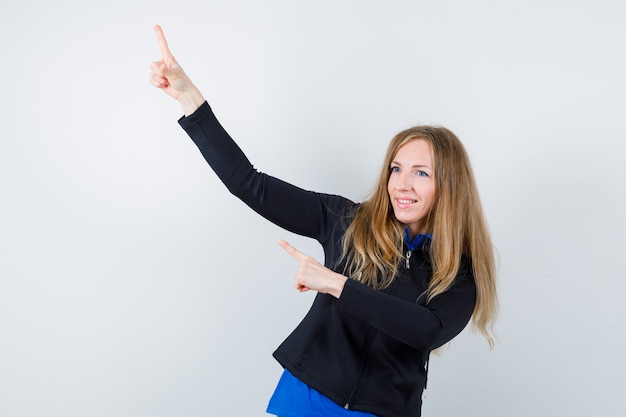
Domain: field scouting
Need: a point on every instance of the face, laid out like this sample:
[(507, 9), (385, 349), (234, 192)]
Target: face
[(411, 185)]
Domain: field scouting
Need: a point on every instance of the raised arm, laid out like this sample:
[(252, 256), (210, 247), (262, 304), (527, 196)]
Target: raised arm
[(169, 76), (304, 212)]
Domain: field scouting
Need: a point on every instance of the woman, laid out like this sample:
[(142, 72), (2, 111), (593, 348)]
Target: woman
[(404, 271)]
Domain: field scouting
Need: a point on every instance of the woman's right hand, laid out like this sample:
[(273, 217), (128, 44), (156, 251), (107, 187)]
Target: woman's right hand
[(168, 75)]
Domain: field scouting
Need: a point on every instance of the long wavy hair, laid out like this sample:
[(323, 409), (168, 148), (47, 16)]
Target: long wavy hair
[(372, 245)]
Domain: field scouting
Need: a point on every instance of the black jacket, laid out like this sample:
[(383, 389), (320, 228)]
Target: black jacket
[(367, 350)]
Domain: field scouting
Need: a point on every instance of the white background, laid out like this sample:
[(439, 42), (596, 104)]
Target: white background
[(133, 284)]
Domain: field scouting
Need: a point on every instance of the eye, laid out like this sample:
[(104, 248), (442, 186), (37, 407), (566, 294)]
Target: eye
[(422, 173), (395, 169)]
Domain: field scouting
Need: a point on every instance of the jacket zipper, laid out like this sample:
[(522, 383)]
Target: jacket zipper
[(366, 349), (408, 256)]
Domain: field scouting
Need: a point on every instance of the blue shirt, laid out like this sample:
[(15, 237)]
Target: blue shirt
[(293, 398)]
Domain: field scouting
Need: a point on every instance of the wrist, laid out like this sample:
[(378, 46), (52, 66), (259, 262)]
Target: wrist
[(190, 100), (337, 285)]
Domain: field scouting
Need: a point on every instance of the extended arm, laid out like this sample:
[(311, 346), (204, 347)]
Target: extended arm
[(297, 210), (423, 327)]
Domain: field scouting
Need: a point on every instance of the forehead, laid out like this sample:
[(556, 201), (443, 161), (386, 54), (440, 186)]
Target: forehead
[(415, 152)]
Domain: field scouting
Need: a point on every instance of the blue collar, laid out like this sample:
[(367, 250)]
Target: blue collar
[(417, 240)]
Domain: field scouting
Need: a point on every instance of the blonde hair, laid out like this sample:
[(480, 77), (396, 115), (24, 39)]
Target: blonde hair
[(372, 245)]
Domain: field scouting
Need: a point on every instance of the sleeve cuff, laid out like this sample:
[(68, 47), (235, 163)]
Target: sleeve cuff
[(193, 118)]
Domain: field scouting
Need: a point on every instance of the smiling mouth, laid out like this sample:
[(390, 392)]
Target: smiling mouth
[(405, 202)]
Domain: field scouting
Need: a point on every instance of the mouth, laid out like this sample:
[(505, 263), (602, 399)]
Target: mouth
[(405, 202)]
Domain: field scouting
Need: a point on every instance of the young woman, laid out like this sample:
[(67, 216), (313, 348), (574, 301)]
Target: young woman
[(404, 271)]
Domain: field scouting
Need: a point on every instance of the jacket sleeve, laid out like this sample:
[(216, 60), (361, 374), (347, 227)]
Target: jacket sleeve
[(292, 208), (423, 327)]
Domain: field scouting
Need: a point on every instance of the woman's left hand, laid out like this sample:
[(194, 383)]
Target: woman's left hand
[(311, 275), (168, 75)]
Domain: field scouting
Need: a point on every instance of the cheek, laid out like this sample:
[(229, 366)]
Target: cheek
[(433, 192), (431, 195)]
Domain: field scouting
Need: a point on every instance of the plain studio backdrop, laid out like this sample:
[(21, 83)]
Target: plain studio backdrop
[(133, 284)]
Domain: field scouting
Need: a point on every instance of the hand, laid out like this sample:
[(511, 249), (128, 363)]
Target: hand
[(169, 76), (311, 275)]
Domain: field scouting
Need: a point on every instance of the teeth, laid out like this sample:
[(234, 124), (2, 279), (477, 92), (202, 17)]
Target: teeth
[(406, 201)]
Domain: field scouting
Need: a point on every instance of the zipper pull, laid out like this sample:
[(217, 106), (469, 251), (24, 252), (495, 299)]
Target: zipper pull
[(408, 256)]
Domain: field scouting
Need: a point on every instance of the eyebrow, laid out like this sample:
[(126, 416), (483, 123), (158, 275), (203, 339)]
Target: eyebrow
[(414, 166)]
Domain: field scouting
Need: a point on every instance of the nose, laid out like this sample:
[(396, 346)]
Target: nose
[(404, 182)]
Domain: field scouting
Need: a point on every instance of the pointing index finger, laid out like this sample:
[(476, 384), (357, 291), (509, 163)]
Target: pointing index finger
[(295, 253), (165, 50)]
